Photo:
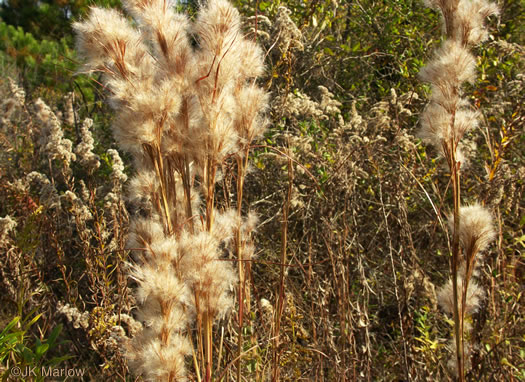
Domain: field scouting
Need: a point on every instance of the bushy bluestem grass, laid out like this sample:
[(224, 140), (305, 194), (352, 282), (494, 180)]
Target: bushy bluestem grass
[(181, 112)]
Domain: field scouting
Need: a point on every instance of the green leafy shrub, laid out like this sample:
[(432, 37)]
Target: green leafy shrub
[(17, 349)]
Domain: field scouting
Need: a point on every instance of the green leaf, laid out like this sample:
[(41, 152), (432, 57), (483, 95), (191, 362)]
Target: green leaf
[(521, 240), (33, 320), (8, 327), (27, 354), (56, 360), (51, 340), (329, 51), (263, 5), (41, 350)]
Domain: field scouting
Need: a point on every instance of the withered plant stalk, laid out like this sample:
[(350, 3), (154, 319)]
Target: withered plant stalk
[(282, 274)]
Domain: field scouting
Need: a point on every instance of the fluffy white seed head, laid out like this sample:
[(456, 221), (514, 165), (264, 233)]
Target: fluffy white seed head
[(468, 350), (107, 40), (452, 63), (142, 190), (435, 125), (463, 20), (224, 225), (438, 126), (210, 277), (217, 27), (217, 133), (251, 101), (251, 63), (476, 229), (167, 32), (470, 19), (143, 232), (158, 361), (445, 296), (162, 289)]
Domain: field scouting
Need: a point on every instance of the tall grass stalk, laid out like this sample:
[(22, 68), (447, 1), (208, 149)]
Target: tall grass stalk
[(445, 121)]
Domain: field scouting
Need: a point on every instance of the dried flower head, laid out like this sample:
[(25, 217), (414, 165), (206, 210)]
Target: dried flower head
[(117, 174), (48, 193), (84, 149), (52, 138), (290, 37), (73, 315), (18, 93), (7, 225)]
